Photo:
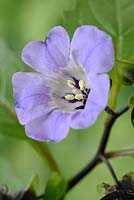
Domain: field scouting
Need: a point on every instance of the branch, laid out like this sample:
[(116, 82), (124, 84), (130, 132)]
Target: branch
[(119, 153), (93, 163), (109, 166)]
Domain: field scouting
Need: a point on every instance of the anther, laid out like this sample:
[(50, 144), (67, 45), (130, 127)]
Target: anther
[(82, 85), (79, 97), (69, 97), (71, 83)]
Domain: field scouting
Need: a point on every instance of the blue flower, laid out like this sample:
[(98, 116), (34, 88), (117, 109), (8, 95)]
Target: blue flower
[(70, 88)]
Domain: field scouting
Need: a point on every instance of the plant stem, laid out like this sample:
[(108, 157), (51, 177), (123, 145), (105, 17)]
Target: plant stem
[(119, 153), (48, 157), (114, 89), (109, 166), (93, 163), (108, 127), (109, 111)]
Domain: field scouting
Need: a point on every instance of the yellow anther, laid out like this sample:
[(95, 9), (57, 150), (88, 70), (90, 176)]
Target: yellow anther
[(71, 83), (79, 97), (82, 85), (69, 97)]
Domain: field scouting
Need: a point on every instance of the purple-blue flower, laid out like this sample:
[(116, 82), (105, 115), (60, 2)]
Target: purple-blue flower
[(70, 88)]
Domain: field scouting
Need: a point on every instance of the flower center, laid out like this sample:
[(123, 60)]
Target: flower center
[(79, 92), (69, 88)]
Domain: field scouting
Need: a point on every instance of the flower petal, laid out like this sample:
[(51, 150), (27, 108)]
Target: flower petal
[(47, 57), (31, 95), (96, 102), (93, 48), (51, 127)]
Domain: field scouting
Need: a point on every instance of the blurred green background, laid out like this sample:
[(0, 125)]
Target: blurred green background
[(27, 20)]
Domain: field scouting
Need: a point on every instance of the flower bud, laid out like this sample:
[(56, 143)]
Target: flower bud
[(126, 71)]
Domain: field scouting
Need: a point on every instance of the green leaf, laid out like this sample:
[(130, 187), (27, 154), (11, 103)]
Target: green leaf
[(33, 184), (56, 187), (9, 63), (28, 193), (116, 17)]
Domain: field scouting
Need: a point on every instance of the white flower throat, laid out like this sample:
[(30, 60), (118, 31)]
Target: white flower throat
[(69, 88)]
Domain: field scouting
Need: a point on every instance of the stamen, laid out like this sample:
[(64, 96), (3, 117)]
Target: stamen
[(71, 83), (79, 97), (82, 85), (69, 97)]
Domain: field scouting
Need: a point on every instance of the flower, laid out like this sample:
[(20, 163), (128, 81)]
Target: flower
[(71, 87)]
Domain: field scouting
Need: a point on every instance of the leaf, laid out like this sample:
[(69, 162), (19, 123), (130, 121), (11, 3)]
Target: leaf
[(28, 193), (116, 17), (56, 187), (9, 63)]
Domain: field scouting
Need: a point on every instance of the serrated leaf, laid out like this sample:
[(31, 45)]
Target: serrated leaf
[(116, 17), (56, 187)]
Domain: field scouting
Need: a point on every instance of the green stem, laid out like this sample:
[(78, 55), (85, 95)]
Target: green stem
[(46, 155), (114, 89)]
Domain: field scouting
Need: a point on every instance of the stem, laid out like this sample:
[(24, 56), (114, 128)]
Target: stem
[(114, 89), (93, 163), (108, 127), (109, 166), (109, 111), (119, 153), (47, 156)]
